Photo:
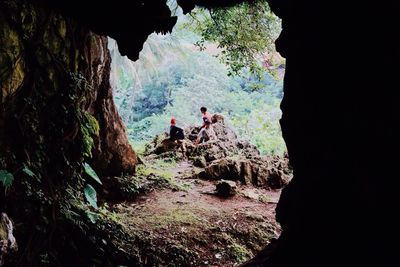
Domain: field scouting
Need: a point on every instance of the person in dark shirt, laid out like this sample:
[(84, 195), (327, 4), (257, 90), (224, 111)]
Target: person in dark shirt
[(175, 133), (177, 136)]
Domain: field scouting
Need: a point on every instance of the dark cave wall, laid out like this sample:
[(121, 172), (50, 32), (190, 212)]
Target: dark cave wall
[(56, 112), (340, 123), (42, 54)]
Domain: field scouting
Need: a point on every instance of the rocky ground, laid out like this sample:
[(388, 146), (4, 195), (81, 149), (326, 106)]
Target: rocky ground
[(213, 206)]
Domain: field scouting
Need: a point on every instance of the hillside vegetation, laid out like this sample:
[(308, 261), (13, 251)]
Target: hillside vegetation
[(178, 73)]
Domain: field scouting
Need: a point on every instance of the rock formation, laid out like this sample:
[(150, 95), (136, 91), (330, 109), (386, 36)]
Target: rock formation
[(227, 158)]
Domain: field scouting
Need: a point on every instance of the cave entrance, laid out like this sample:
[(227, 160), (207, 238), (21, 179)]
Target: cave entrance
[(212, 203)]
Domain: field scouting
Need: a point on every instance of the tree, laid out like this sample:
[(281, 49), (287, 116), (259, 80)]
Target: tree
[(245, 33)]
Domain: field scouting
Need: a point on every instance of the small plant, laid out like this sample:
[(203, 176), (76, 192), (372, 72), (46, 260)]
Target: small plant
[(91, 196), (264, 199), (91, 173), (238, 252), (6, 178)]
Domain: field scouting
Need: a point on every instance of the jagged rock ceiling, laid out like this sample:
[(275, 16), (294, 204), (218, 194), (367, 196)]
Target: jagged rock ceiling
[(129, 23)]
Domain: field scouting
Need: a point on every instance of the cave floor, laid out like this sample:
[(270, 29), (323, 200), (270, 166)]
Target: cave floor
[(190, 225)]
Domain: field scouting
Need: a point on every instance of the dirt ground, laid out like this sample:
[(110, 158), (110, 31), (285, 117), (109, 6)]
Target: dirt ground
[(190, 225)]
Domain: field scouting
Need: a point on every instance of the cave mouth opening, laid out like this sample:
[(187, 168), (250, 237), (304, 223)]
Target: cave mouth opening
[(180, 72), (220, 191)]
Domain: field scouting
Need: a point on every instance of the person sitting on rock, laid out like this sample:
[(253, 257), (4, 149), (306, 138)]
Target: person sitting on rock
[(177, 136), (206, 134), (206, 116)]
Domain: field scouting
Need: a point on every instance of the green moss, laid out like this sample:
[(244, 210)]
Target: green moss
[(11, 62), (160, 168), (264, 198), (89, 128), (3, 231), (239, 253)]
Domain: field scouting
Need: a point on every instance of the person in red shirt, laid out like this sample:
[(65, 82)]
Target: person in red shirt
[(177, 136), (175, 133)]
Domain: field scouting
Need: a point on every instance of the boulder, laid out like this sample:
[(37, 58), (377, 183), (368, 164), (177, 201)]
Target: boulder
[(223, 169), (261, 171), (200, 162), (226, 188), (217, 118)]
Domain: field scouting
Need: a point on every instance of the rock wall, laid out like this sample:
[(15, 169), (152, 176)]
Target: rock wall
[(42, 53), (56, 112), (340, 124), (112, 153)]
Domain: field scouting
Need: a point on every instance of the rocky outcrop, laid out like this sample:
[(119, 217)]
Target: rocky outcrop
[(112, 153), (227, 158), (271, 172)]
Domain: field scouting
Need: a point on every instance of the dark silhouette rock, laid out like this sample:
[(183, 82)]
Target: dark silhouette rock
[(335, 124)]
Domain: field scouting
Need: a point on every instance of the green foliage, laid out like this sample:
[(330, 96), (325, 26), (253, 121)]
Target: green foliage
[(6, 178), (27, 171), (89, 128), (238, 252), (92, 216), (91, 196), (91, 173), (245, 33)]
